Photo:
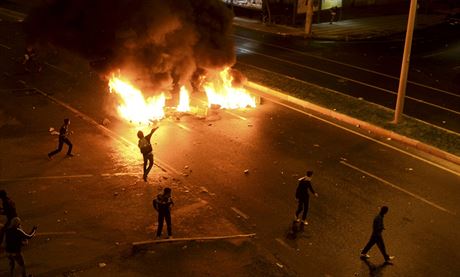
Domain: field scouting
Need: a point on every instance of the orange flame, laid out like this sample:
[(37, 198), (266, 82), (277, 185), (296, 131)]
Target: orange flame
[(134, 107), (222, 93)]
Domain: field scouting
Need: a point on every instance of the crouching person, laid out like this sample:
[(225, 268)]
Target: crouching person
[(15, 237)]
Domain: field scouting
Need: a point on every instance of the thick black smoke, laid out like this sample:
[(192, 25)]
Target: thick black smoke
[(163, 42)]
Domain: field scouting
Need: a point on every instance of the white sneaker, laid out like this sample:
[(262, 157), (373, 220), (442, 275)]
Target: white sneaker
[(389, 259), (296, 219), (365, 256), (305, 222)]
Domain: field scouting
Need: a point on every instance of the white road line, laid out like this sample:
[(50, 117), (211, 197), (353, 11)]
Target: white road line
[(418, 197), (240, 213), (59, 69), (234, 114), (120, 174), (355, 81), (55, 233), (184, 127), (350, 65), (280, 241), (366, 137), (5, 46), (47, 178)]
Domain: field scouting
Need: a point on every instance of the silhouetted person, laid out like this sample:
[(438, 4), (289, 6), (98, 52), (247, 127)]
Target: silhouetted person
[(162, 205), (376, 237), (303, 196), (9, 210), (30, 61), (63, 138), (14, 240), (333, 12), (147, 151)]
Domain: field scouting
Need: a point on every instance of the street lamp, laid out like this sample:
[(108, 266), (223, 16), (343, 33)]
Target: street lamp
[(405, 62)]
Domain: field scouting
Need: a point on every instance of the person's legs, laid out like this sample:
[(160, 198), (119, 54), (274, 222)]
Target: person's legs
[(160, 222), (20, 260), (299, 209), (305, 210), (61, 143), (11, 263), (369, 245), (144, 168), (381, 246), (168, 223), (150, 162), (67, 141)]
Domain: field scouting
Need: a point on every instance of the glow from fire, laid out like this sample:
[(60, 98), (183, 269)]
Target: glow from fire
[(184, 100), (134, 106), (220, 91)]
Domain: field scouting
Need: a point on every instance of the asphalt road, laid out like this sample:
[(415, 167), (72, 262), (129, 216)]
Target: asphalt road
[(354, 175), (370, 69)]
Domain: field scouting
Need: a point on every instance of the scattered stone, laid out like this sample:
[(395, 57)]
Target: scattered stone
[(186, 167), (117, 243), (106, 122), (316, 145), (250, 125), (115, 194), (360, 98), (343, 159), (184, 247), (246, 171), (443, 122), (279, 265), (66, 212), (388, 138), (409, 169), (58, 221), (101, 265)]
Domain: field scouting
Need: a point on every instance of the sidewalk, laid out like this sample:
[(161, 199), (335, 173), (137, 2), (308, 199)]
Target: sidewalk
[(350, 29)]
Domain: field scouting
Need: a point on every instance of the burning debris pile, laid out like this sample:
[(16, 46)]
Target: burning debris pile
[(149, 51)]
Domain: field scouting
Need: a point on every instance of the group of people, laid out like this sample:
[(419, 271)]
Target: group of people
[(163, 202), (302, 195), (13, 235)]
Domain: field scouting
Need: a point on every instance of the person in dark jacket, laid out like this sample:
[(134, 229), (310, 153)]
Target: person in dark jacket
[(162, 204), (303, 196), (9, 210), (147, 151), (14, 239), (63, 138), (376, 237)]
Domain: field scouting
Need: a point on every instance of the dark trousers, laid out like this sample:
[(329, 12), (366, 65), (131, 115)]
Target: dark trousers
[(61, 143), (19, 259), (148, 159), (303, 205), (164, 214), (376, 239)]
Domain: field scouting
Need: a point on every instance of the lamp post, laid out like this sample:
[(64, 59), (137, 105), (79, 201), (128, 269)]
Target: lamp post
[(405, 62), (309, 17)]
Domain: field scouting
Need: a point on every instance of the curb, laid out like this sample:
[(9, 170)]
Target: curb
[(356, 122)]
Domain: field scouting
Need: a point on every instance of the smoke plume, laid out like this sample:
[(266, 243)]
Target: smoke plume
[(162, 42)]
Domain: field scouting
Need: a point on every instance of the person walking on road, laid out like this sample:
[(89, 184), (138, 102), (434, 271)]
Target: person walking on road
[(14, 240), (63, 138), (147, 151), (162, 204), (303, 197), (376, 237), (9, 210)]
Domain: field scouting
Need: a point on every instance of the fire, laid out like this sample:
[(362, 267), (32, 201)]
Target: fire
[(134, 106), (221, 92), (218, 88), (184, 100)]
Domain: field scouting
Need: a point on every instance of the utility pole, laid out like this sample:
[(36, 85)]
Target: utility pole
[(405, 62), (309, 17)]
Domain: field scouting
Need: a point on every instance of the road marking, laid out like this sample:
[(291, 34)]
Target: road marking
[(355, 81), (234, 114), (119, 174), (5, 46), (280, 241), (350, 65), (59, 69), (240, 213), (184, 127), (55, 233), (418, 197), (47, 178), (366, 137)]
